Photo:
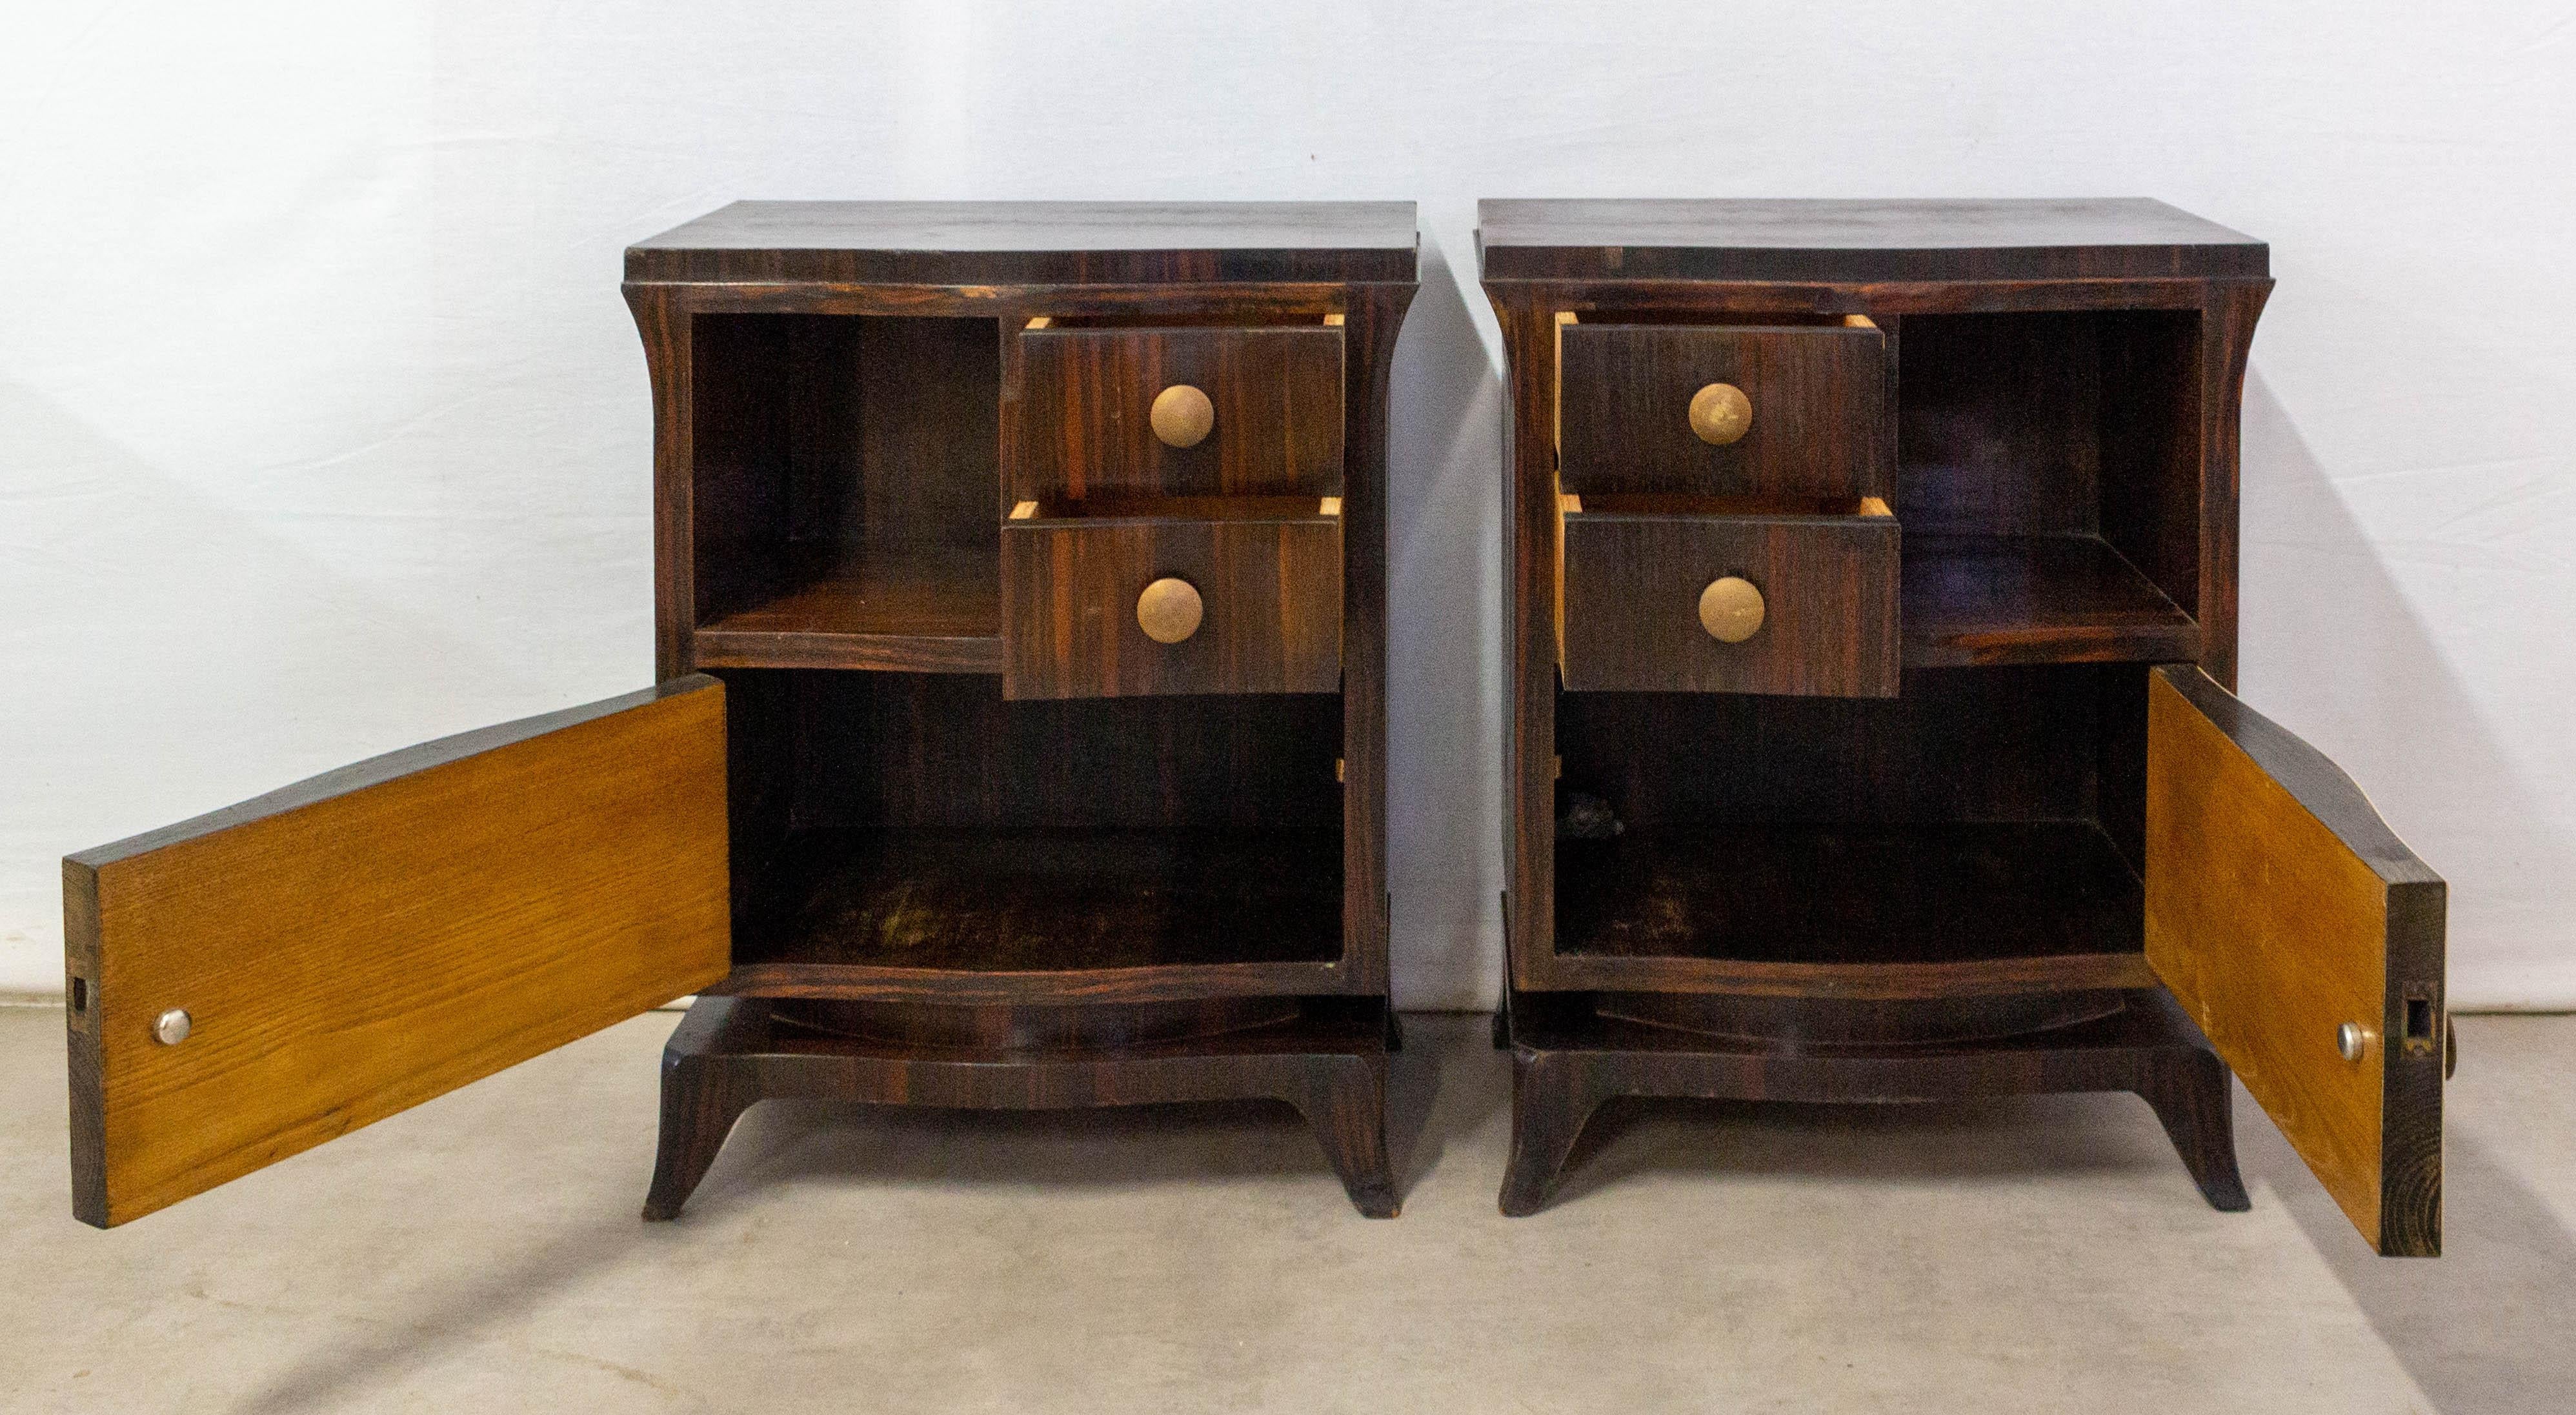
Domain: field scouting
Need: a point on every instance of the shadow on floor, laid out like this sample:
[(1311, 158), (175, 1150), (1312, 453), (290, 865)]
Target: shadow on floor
[(2488, 1328), (378, 1354)]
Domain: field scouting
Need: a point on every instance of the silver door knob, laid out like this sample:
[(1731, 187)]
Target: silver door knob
[(171, 1027), (2351, 1040)]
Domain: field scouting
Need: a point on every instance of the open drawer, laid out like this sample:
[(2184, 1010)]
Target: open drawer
[(1118, 597), (1252, 411), (1667, 593), (1725, 409)]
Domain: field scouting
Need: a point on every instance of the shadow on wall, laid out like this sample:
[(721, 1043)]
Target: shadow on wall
[(190, 654), (1443, 806), (2331, 647)]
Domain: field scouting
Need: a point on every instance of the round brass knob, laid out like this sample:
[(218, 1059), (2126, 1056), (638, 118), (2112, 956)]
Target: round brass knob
[(1720, 413), (1169, 610), (1182, 416), (1730, 609)]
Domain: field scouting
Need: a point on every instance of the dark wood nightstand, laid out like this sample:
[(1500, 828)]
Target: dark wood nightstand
[(1020, 583), (1869, 735)]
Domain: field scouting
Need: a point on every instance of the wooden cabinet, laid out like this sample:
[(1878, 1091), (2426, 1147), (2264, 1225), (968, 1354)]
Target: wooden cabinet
[(1872, 620), (1020, 589)]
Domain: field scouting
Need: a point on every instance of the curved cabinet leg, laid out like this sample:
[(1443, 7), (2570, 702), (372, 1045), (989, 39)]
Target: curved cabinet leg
[(703, 1094), (1553, 1094), (2190, 1091), (1345, 1101)]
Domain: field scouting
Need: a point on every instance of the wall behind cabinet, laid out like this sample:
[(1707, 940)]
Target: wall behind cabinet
[(323, 430)]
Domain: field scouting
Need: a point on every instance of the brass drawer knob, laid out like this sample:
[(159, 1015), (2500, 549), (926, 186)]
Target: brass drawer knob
[(1169, 610), (1730, 609), (1182, 416), (1720, 413)]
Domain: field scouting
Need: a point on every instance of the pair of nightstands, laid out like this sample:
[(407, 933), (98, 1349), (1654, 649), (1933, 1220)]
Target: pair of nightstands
[(1021, 588)]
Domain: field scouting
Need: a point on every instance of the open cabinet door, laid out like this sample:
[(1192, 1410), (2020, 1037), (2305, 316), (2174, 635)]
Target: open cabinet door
[(2306, 940), (254, 982)]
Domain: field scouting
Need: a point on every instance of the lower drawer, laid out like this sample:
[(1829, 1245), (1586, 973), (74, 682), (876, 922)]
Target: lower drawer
[(1246, 602), (1661, 591)]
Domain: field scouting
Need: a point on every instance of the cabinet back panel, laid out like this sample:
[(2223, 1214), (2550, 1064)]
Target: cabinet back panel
[(930, 432), (837, 430), (1996, 417), (1990, 744), (2057, 422), (944, 751)]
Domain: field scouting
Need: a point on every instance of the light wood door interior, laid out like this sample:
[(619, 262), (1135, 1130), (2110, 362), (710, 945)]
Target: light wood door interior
[(2281, 909), (363, 941)]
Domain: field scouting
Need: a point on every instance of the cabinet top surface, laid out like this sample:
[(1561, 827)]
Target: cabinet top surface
[(1034, 242), (2046, 239)]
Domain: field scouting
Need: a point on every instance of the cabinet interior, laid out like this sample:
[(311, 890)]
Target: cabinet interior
[(847, 524), (2048, 483), (2048, 490), (1979, 814), (845, 480)]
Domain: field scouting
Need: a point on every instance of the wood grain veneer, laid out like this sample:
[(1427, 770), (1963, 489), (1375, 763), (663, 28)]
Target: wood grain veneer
[(357, 943), (2279, 906), (1819, 397), (1078, 404)]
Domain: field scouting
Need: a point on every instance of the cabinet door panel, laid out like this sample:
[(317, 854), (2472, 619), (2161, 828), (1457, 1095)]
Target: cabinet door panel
[(2281, 908), (360, 942)]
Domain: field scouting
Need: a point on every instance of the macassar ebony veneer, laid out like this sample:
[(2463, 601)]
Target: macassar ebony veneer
[(1020, 615), (1872, 621)]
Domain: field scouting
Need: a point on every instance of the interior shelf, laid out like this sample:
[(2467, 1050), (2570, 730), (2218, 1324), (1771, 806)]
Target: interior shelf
[(1850, 894), (983, 901), (1971, 600), (910, 608)]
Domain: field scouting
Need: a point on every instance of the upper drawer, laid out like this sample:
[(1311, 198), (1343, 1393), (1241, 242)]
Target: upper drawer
[(1245, 412), (1796, 410)]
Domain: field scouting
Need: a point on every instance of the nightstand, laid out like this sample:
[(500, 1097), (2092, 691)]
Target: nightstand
[(1020, 600), (1869, 647)]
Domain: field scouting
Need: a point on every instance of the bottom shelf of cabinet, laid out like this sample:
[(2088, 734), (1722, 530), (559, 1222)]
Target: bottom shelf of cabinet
[(857, 912), (2021, 903)]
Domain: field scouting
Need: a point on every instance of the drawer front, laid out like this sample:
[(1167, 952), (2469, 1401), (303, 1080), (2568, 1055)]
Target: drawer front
[(1262, 606), (1812, 410), (1827, 586), (1081, 418)]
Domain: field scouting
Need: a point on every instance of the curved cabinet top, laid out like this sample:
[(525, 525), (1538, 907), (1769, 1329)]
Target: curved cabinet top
[(1035, 243), (1839, 241)]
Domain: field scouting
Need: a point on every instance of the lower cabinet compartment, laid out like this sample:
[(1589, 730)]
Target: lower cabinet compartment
[(920, 824), (1036, 900), (1787, 893), (1980, 831)]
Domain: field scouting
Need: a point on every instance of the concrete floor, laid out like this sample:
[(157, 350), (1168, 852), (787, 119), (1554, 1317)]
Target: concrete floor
[(482, 1252)]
